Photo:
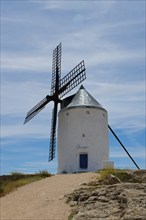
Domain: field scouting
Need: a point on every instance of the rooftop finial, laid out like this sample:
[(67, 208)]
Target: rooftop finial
[(82, 87)]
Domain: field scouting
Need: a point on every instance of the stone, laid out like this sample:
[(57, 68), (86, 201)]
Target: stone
[(103, 199), (100, 205), (112, 201), (83, 184), (94, 193), (75, 197), (92, 198), (102, 192), (73, 203), (83, 198), (111, 179)]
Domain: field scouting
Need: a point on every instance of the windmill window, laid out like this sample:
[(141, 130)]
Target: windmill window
[(88, 112)]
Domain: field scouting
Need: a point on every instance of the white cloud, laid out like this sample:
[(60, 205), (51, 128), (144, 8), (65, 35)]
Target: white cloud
[(22, 62), (18, 98), (77, 6), (38, 130), (125, 102)]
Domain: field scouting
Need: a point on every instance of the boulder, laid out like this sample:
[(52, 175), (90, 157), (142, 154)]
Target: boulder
[(111, 179)]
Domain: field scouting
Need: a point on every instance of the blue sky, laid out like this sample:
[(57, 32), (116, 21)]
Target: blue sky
[(109, 36)]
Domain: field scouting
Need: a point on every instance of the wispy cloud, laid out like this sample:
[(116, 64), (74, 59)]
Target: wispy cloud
[(77, 6), (22, 62), (118, 152), (19, 97)]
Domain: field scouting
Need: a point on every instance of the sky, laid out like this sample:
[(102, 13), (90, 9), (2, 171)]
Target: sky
[(109, 36)]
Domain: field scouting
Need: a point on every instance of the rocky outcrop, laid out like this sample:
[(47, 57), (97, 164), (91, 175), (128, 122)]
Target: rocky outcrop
[(111, 198)]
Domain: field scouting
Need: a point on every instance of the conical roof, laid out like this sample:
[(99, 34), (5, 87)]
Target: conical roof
[(83, 99)]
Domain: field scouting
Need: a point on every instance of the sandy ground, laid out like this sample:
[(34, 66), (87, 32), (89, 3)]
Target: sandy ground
[(42, 200)]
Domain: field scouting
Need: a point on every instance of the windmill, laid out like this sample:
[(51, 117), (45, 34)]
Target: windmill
[(78, 106), (59, 88)]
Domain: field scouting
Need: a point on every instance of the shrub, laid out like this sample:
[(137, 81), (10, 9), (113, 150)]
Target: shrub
[(11, 182), (1, 189), (16, 175), (43, 173)]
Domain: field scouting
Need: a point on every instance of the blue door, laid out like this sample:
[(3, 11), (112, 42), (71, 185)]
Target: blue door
[(83, 161)]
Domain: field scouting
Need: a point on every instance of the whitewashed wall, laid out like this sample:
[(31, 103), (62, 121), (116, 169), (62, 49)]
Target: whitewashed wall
[(82, 130)]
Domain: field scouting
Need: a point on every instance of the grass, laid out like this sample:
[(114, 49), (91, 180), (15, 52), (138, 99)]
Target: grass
[(11, 182), (73, 212), (123, 175), (70, 217)]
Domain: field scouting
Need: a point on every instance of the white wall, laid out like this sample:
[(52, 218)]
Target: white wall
[(73, 124)]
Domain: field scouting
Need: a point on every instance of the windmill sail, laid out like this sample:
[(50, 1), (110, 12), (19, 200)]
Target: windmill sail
[(56, 67), (36, 109), (53, 133), (59, 87), (72, 79)]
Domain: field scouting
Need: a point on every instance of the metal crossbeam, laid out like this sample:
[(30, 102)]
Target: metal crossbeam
[(123, 147)]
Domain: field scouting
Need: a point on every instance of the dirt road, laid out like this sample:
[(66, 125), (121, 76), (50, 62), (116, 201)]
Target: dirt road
[(42, 200)]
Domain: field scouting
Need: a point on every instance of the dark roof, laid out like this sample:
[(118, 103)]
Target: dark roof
[(83, 98)]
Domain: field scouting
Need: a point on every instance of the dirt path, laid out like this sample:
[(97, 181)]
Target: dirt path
[(42, 200)]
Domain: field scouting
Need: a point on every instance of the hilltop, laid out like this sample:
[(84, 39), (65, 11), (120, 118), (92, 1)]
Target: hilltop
[(117, 195), (110, 195), (44, 199)]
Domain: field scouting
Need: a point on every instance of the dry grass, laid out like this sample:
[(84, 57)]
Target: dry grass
[(123, 175), (11, 182)]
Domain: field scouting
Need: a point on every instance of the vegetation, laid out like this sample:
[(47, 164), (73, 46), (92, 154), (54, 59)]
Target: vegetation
[(123, 175), (8, 183)]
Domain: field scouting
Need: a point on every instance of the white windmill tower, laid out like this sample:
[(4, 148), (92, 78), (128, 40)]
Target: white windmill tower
[(82, 134)]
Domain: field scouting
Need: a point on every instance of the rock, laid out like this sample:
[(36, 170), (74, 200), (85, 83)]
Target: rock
[(136, 180), (93, 183), (144, 179), (83, 197), (92, 199), (111, 179), (102, 192), (94, 193), (83, 184), (103, 199), (112, 200), (73, 203), (100, 205)]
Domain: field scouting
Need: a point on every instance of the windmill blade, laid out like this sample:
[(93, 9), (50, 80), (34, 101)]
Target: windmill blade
[(37, 108), (72, 79), (123, 147), (53, 133), (56, 66)]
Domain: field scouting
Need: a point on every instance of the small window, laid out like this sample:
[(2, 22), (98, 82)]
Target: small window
[(88, 112), (83, 135), (67, 113)]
